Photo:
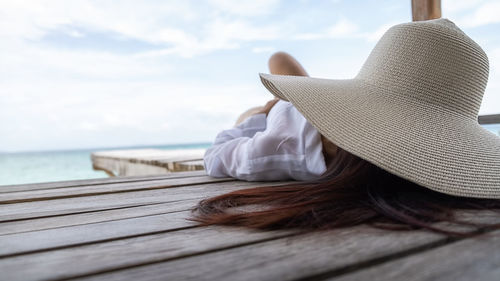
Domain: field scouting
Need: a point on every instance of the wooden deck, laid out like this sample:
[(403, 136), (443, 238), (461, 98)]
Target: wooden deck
[(136, 228), (142, 162)]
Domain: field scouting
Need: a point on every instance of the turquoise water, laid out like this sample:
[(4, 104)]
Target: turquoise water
[(494, 128), (33, 167)]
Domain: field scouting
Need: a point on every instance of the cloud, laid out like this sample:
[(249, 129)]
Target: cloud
[(377, 34), (217, 35), (451, 7), (343, 28), (34, 62), (154, 22), (245, 8), (486, 14), (75, 33), (82, 114), (263, 49), (473, 13), (106, 73), (32, 19), (347, 29)]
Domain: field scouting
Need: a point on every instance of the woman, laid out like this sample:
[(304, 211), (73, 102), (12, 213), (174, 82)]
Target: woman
[(398, 146)]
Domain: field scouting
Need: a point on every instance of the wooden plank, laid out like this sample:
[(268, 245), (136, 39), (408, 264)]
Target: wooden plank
[(126, 167), (190, 165), (118, 254), (82, 260), (291, 258), (103, 228), (37, 209), (15, 244), (93, 217), (76, 183), (471, 259), (55, 193), (489, 119), (425, 9), (26, 225)]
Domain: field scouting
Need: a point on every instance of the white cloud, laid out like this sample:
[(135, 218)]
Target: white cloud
[(32, 19), (472, 13), (223, 34), (25, 61), (146, 22), (343, 28), (217, 35), (54, 97), (377, 34), (81, 94), (245, 7), (346, 29), (81, 114), (451, 7), (263, 49), (485, 14)]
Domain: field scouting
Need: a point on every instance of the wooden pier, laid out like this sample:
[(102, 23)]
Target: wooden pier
[(138, 228), (143, 162)]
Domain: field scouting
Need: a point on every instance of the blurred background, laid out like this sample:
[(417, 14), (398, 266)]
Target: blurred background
[(79, 76)]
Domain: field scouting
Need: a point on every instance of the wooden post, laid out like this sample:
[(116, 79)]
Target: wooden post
[(425, 9)]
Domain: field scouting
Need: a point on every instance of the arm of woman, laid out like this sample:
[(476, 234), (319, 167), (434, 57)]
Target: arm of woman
[(261, 150), (239, 154)]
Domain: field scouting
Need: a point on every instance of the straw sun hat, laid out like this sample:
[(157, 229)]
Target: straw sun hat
[(411, 110)]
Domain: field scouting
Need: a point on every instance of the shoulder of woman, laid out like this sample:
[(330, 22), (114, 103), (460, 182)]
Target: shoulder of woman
[(285, 117), (280, 106)]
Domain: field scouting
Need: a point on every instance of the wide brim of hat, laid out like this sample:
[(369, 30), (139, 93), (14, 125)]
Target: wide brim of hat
[(422, 142)]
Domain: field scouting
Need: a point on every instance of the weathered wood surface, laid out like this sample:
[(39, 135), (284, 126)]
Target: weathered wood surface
[(139, 229), (489, 119), (140, 162), (471, 259)]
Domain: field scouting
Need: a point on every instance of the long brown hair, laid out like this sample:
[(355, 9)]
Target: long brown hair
[(351, 192)]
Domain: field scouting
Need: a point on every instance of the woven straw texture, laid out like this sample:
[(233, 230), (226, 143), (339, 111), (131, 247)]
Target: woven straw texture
[(411, 110)]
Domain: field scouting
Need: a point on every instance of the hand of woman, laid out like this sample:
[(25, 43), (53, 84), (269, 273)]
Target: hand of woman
[(256, 110), (266, 108)]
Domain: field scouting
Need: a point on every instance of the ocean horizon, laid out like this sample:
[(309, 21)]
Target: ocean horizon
[(26, 167)]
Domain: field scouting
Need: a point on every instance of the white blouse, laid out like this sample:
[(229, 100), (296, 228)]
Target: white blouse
[(283, 146)]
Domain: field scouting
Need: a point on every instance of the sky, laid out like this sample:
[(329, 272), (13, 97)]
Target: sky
[(83, 74)]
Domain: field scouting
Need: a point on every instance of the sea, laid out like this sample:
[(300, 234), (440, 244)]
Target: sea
[(50, 166)]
